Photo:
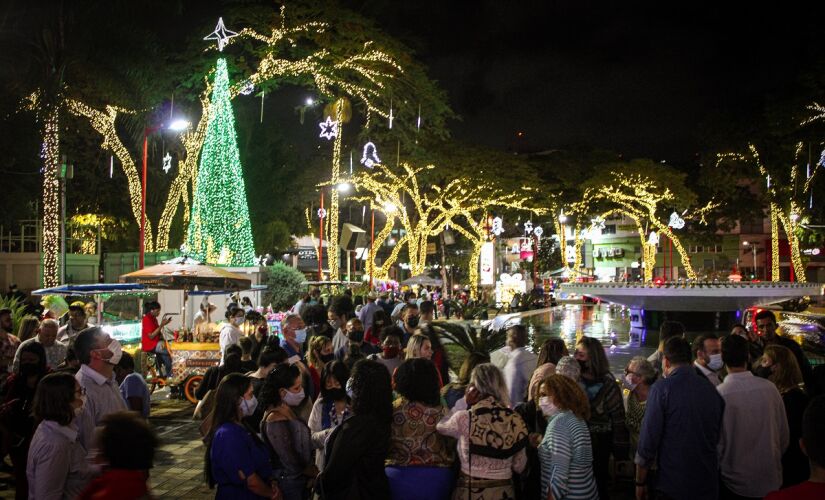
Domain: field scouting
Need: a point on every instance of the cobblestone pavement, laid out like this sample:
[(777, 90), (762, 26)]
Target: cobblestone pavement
[(178, 471)]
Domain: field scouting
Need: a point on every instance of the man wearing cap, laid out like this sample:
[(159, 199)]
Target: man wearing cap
[(368, 311), (76, 324)]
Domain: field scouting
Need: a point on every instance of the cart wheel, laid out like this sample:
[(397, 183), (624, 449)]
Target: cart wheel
[(190, 386)]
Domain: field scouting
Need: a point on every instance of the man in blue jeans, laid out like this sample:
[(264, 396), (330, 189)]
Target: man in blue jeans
[(152, 336)]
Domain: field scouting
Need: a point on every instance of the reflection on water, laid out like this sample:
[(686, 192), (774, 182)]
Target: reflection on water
[(608, 323)]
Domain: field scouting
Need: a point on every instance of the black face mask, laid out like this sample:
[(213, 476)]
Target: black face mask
[(763, 371), (336, 394), (29, 369), (326, 358), (412, 322)]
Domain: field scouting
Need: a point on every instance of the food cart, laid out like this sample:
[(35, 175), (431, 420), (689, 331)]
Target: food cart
[(191, 356)]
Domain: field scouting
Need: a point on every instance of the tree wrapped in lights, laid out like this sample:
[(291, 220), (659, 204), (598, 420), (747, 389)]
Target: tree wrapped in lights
[(786, 193), (219, 229), (633, 191), (424, 210)]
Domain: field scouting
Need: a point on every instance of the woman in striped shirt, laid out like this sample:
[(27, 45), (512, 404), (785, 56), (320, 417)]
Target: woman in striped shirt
[(565, 452)]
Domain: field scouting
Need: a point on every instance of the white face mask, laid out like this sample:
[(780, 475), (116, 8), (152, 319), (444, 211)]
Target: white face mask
[(547, 407), (301, 335), (117, 352), (294, 398), (238, 321), (628, 382), (248, 406), (715, 362)]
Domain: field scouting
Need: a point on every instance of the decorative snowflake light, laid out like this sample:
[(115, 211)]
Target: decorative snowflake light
[(329, 128)]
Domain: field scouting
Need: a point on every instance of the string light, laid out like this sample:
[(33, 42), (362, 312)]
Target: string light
[(219, 229), (51, 209), (639, 197), (785, 200)]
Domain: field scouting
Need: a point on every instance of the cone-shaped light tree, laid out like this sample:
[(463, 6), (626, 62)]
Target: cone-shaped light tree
[(219, 229)]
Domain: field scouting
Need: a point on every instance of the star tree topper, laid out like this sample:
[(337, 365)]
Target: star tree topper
[(221, 34), (329, 128)]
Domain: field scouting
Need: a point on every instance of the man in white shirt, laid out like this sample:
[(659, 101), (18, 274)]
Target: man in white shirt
[(520, 364), (754, 428), (368, 311), (46, 336), (708, 352), (98, 354)]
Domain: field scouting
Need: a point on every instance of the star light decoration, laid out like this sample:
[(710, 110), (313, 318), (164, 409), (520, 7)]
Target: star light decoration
[(167, 162), (221, 34), (369, 157), (329, 128)]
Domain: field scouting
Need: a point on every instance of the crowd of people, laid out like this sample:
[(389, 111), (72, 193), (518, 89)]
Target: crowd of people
[(382, 414)]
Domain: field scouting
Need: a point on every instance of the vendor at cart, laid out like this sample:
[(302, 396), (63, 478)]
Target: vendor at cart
[(152, 336)]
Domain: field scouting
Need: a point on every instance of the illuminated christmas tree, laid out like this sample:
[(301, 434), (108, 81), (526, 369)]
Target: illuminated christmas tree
[(219, 229)]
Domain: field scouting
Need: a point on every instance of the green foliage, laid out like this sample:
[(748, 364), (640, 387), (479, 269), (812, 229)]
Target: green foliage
[(284, 286), (549, 256), (270, 236), (472, 338), (18, 309)]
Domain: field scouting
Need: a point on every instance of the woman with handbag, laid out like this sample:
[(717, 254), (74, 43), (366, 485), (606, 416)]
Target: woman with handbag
[(236, 461), (286, 434), (491, 438)]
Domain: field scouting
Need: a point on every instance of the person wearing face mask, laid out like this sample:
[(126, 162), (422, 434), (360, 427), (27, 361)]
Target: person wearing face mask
[(410, 318), (231, 330), (779, 365), (372, 335), (294, 335), (639, 375), (57, 466), (331, 408), (390, 355), (339, 312), (565, 453), (286, 434), (236, 460), (680, 432), (608, 431), (98, 354), (708, 352), (319, 355), (767, 327), (16, 421)]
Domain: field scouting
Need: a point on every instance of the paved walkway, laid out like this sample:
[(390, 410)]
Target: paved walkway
[(178, 471)]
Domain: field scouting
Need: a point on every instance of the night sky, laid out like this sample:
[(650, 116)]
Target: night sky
[(646, 79)]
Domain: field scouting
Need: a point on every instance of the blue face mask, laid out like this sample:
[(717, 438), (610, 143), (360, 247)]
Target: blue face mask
[(301, 335)]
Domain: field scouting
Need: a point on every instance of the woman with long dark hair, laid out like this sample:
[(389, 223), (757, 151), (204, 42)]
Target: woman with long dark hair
[(18, 424), (608, 432), (331, 409), (286, 434), (356, 449), (236, 460)]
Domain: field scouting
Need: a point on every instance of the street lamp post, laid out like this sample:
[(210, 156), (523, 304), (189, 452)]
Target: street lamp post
[(178, 126)]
